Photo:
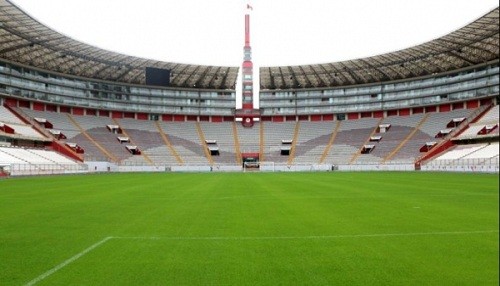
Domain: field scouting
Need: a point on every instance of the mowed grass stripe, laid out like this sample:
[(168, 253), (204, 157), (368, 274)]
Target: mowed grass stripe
[(46, 220), (92, 247), (266, 262)]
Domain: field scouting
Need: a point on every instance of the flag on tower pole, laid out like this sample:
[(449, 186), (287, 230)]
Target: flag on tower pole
[(249, 7)]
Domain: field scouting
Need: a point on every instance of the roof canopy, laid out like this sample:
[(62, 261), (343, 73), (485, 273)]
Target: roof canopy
[(474, 44), (26, 41)]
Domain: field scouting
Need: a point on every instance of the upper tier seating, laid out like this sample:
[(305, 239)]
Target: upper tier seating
[(60, 121), (438, 120), (491, 118), (26, 131), (8, 117), (20, 128)]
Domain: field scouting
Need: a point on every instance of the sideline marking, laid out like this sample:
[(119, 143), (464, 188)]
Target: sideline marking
[(303, 237), (68, 261), (99, 243)]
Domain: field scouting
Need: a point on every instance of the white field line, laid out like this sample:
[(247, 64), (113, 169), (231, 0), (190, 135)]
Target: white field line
[(99, 243), (304, 237), (68, 261)]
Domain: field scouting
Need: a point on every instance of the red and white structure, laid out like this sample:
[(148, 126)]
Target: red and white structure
[(247, 114)]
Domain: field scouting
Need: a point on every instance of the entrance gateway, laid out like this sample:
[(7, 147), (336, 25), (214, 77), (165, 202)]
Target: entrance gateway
[(250, 160)]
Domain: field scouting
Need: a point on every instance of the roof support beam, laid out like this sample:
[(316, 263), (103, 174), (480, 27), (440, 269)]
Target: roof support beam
[(225, 79), (215, 77), (293, 77), (16, 47), (321, 82), (434, 62), (357, 78), (388, 67), (272, 84), (308, 82), (200, 81), (337, 73)]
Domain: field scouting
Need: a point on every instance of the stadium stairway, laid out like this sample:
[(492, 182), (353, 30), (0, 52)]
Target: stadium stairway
[(358, 153), (204, 144), (221, 135), (185, 139), (330, 142), (291, 157), (110, 156), (247, 138), (261, 143), (169, 144), (237, 149), (408, 138), (312, 140)]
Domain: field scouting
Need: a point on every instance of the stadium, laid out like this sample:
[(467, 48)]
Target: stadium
[(116, 169)]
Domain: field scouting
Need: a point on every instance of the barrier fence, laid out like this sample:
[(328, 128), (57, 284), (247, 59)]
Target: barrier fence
[(462, 165), (44, 169), (490, 165)]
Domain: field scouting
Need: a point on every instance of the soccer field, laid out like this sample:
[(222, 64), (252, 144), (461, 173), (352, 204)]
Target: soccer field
[(382, 228)]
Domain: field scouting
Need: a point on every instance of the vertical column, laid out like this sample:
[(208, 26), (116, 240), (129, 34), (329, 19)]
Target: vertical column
[(247, 69)]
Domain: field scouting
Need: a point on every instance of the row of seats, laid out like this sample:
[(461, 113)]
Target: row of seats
[(468, 155), (18, 155), (20, 128), (311, 143), (490, 119)]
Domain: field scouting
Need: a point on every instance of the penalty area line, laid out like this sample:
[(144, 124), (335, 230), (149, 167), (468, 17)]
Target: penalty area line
[(68, 261)]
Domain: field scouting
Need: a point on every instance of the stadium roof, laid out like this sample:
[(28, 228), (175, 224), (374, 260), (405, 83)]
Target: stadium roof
[(26, 41), (471, 45)]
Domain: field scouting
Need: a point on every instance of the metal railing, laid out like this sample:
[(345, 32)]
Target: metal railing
[(44, 169)]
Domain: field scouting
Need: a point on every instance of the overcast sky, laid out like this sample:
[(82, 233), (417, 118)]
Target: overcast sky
[(283, 32)]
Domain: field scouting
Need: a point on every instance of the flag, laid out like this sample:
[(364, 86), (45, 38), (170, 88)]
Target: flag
[(249, 7)]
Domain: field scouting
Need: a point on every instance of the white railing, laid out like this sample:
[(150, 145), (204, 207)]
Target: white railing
[(488, 165), (44, 169), (298, 167), (469, 169), (376, 167)]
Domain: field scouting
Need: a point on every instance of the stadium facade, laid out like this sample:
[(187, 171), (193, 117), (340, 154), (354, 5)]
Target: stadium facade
[(44, 71)]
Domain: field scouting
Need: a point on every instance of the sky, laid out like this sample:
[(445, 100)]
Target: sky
[(283, 32)]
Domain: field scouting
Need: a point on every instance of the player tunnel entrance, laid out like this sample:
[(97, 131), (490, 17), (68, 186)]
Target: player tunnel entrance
[(250, 160)]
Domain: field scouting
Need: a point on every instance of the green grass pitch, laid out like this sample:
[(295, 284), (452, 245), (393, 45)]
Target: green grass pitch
[(384, 228)]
